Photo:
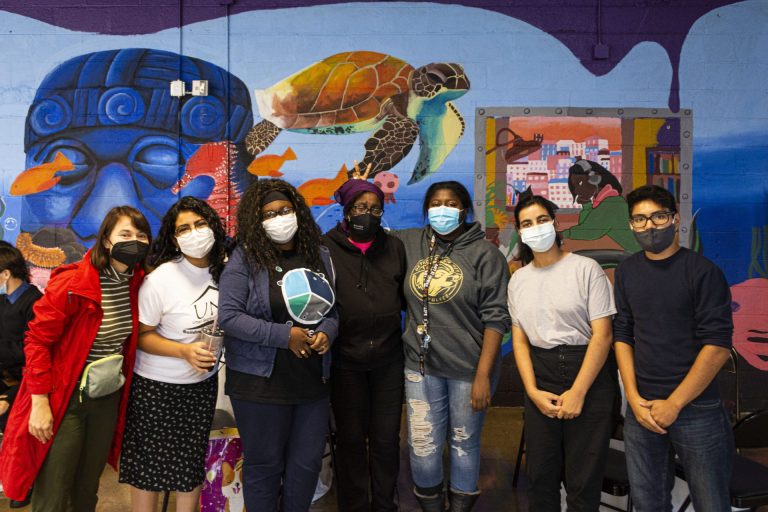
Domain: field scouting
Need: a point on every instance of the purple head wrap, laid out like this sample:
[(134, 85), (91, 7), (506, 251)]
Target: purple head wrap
[(351, 190)]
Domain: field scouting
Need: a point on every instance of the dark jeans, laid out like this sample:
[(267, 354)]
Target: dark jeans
[(69, 478), (281, 443), (702, 438), (367, 406), (573, 451)]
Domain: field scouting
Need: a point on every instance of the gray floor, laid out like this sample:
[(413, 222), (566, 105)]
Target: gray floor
[(501, 436), (499, 445)]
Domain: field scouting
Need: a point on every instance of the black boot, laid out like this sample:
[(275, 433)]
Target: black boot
[(23, 503), (461, 502), (434, 503)]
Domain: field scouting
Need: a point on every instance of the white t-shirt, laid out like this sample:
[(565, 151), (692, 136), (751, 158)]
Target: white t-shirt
[(554, 305), (179, 299)]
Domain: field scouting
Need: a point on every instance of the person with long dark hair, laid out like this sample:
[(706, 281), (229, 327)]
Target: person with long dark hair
[(367, 369), (561, 306), (456, 317), (277, 309), (173, 394), (79, 349)]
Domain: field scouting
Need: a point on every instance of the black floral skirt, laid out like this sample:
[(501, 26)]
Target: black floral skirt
[(166, 434)]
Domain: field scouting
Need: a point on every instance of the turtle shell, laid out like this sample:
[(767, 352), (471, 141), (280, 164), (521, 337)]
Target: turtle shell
[(345, 88)]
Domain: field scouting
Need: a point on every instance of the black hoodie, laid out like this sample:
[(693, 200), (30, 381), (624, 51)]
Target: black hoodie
[(369, 298)]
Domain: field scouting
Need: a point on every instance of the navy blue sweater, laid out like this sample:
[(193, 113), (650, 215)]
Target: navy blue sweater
[(667, 310)]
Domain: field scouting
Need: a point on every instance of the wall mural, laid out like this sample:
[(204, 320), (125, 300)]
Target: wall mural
[(103, 130), (88, 121), (584, 160), (360, 92)]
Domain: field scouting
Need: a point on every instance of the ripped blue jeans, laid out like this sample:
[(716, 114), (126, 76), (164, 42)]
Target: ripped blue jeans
[(439, 410)]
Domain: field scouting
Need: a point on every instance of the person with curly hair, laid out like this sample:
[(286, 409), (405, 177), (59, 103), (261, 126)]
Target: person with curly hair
[(173, 395), (277, 308)]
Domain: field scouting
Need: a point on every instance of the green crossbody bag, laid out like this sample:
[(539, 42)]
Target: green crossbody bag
[(102, 377)]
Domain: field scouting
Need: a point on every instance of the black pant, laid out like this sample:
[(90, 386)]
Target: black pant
[(367, 406), (281, 443), (10, 395), (573, 451)]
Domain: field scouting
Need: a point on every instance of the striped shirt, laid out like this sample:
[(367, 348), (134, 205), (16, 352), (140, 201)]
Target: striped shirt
[(117, 323)]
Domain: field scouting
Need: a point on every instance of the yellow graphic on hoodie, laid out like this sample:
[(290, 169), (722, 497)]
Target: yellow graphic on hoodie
[(445, 284)]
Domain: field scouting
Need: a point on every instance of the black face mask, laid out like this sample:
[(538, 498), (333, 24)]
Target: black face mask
[(362, 228), (129, 253), (655, 240)]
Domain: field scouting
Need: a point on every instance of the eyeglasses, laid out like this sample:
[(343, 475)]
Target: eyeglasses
[(657, 218), (271, 214), (187, 228), (362, 209)]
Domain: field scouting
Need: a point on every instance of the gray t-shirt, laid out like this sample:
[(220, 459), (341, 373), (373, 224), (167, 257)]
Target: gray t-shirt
[(554, 305)]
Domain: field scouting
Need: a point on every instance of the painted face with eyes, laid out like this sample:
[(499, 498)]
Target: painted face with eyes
[(106, 130), (109, 165)]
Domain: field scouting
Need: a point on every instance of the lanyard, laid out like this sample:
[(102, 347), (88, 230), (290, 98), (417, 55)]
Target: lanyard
[(433, 263)]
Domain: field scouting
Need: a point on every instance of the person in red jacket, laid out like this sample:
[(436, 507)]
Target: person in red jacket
[(62, 426)]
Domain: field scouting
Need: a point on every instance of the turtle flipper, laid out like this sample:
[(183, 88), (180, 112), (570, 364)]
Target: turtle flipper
[(261, 136), (440, 129), (391, 142)]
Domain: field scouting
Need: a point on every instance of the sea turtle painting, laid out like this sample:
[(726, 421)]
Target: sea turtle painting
[(361, 91)]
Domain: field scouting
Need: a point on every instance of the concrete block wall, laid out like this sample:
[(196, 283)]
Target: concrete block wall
[(708, 56)]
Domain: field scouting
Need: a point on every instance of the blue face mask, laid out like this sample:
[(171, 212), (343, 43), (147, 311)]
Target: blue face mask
[(444, 219), (4, 289)]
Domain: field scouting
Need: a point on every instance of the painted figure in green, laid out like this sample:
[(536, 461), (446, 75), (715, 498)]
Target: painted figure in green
[(603, 209)]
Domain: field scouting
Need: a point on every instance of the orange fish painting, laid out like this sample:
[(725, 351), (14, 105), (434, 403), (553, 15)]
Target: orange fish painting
[(319, 191), (41, 177), (269, 165)]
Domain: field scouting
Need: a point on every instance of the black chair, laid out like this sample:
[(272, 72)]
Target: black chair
[(519, 457), (616, 477), (749, 479), (732, 367)]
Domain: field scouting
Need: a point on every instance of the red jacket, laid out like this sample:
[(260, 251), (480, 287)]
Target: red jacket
[(57, 344)]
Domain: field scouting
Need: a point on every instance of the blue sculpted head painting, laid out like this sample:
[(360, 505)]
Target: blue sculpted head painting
[(103, 130)]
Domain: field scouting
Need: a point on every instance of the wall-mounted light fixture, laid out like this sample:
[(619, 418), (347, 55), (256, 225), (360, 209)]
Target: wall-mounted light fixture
[(179, 88)]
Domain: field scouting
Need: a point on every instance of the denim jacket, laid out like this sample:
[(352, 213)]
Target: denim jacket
[(252, 338)]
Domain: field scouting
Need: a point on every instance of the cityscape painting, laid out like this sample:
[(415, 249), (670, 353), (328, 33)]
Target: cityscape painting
[(585, 161)]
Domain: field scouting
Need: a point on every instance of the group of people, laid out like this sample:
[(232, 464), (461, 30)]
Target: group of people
[(116, 370)]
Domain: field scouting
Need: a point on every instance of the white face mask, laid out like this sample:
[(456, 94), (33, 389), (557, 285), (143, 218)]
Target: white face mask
[(197, 243), (539, 238), (281, 228)]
